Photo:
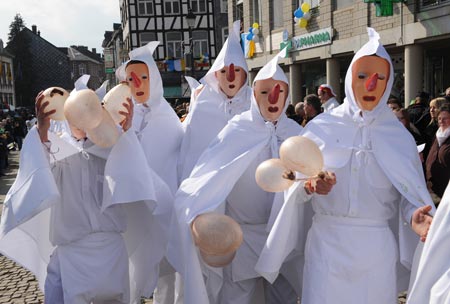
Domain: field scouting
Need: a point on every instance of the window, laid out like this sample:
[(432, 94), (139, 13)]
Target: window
[(315, 3), (147, 37), (256, 4), (171, 7), (198, 6), (224, 6), (145, 7), (340, 4), (81, 69), (239, 12), (224, 34), (173, 45), (276, 16), (200, 41), (428, 3)]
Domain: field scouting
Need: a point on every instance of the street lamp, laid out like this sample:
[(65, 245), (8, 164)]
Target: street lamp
[(190, 20)]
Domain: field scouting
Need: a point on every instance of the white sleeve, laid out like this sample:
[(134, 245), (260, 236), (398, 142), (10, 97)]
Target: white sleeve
[(407, 209)]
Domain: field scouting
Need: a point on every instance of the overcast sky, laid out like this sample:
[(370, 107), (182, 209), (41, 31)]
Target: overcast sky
[(63, 22)]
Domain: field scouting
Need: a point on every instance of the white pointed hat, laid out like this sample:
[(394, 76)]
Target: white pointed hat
[(145, 54), (231, 53), (272, 69), (101, 91)]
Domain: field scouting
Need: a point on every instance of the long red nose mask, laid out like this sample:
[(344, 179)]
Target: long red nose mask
[(274, 94), (135, 79), (230, 74), (371, 83)]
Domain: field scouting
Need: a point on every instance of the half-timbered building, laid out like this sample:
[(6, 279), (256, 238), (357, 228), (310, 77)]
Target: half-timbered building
[(183, 50)]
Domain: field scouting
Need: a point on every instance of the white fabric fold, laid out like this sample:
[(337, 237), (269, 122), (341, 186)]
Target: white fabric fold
[(431, 284), (25, 223), (382, 136), (209, 184)]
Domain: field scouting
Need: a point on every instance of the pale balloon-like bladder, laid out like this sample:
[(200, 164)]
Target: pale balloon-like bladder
[(106, 134), (301, 154), (56, 97), (218, 237), (114, 99), (83, 109), (271, 175)]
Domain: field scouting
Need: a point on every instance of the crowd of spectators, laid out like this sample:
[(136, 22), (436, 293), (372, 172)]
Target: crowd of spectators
[(13, 128)]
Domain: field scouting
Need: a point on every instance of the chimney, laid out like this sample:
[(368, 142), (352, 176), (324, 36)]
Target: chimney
[(39, 33), (94, 50), (34, 29)]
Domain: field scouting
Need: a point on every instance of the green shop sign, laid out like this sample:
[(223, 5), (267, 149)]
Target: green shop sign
[(314, 39)]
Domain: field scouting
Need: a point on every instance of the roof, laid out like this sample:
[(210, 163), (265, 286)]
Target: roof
[(81, 53)]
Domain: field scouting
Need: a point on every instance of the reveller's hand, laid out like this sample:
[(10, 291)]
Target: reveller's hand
[(43, 118), (421, 221), (321, 185), (126, 122)]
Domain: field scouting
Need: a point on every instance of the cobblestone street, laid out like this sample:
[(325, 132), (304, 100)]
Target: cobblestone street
[(17, 285)]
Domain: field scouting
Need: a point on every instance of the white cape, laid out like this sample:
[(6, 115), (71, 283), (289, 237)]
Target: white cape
[(213, 178), (432, 283), (334, 133), (24, 227)]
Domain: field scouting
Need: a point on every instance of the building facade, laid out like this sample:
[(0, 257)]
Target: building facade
[(183, 50), (417, 36), (114, 53), (43, 66), (85, 61), (7, 93)]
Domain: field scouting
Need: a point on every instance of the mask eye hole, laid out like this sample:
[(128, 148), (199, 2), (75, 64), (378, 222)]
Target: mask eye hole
[(361, 75)]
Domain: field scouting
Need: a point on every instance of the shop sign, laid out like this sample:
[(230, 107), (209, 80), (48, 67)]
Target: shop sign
[(314, 39)]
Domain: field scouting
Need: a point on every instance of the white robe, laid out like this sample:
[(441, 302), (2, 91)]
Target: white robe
[(40, 210), (330, 104), (211, 112), (432, 282), (378, 174), (237, 148)]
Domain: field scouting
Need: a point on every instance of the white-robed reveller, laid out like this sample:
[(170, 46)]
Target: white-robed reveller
[(224, 94), (159, 131), (84, 219), (223, 181), (155, 122), (360, 246)]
